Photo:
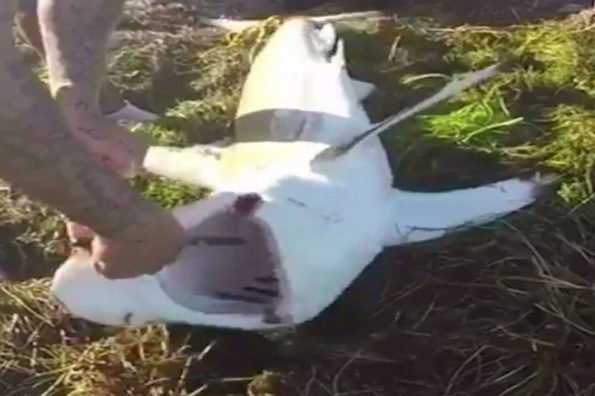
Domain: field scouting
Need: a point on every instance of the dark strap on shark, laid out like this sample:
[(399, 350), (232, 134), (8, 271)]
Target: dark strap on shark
[(450, 90), (280, 125)]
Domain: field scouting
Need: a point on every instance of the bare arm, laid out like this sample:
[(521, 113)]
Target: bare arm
[(75, 35), (40, 156)]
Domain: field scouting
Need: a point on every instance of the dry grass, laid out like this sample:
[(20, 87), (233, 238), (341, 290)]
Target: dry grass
[(508, 310)]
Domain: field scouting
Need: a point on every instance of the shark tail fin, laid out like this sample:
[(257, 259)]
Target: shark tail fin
[(425, 216)]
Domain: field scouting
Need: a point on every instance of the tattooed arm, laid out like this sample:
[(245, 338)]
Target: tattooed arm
[(39, 155), (75, 35)]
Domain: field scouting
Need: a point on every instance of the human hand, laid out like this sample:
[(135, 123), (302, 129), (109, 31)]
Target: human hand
[(144, 248)]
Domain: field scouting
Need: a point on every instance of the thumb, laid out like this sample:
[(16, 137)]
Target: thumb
[(98, 255), (107, 260), (78, 232)]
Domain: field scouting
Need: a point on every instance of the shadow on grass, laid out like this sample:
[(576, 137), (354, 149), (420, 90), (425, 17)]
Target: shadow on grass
[(22, 257)]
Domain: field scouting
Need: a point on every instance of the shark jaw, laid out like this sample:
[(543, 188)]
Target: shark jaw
[(208, 275)]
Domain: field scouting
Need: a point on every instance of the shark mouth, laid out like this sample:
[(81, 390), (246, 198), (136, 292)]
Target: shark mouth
[(230, 266)]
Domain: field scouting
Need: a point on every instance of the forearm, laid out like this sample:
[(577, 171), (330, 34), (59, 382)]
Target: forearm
[(39, 155), (75, 35)]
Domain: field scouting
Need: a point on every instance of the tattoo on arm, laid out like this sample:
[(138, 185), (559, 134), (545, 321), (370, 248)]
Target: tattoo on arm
[(39, 155), (75, 35)]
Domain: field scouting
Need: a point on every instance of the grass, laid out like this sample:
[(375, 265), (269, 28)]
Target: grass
[(507, 310)]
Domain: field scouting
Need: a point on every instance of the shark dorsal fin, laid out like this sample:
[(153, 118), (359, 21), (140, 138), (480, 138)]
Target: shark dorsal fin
[(450, 90)]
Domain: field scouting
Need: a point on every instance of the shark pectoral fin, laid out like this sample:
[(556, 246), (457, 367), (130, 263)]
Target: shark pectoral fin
[(452, 89), (425, 216), (362, 89), (197, 165)]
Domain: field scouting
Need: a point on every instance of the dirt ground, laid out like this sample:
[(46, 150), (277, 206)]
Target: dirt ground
[(506, 310)]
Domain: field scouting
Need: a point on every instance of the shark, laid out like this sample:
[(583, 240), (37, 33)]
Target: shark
[(301, 200)]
